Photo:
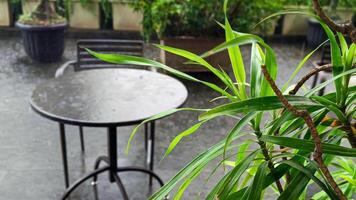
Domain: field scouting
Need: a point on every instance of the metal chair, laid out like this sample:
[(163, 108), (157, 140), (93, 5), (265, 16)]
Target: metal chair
[(85, 61), (323, 75)]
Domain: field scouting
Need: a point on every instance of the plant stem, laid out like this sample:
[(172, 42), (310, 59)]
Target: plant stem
[(315, 135), (351, 135), (276, 133), (314, 71), (346, 28), (269, 161)]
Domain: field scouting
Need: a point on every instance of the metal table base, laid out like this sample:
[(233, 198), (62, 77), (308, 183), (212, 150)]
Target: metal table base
[(111, 162)]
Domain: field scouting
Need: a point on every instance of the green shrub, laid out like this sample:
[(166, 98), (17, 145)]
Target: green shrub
[(196, 17)]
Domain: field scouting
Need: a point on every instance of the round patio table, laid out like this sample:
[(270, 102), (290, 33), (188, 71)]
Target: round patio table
[(107, 98)]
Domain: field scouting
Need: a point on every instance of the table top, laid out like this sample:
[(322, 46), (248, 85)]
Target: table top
[(107, 97)]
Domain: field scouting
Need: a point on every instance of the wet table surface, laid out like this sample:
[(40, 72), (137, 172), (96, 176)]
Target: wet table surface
[(107, 97)]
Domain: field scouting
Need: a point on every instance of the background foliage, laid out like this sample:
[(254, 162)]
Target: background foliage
[(196, 17)]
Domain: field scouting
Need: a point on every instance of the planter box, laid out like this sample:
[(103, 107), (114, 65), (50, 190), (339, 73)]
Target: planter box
[(125, 18), (86, 17), (5, 19), (297, 24), (197, 46)]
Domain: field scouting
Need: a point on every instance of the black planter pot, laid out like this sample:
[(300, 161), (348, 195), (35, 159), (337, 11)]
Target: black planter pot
[(316, 34), (43, 43)]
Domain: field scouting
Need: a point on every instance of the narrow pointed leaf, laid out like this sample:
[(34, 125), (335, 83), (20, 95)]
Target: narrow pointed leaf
[(310, 174), (256, 187), (308, 145), (180, 136), (135, 60), (237, 129), (256, 104), (156, 117)]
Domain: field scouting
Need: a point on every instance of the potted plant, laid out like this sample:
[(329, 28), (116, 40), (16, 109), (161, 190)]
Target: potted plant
[(188, 25), (294, 138), (43, 32), (125, 17), (5, 17)]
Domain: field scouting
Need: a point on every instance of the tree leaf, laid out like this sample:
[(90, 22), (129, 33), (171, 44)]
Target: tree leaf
[(308, 145), (235, 58), (256, 104), (332, 107), (255, 68), (256, 187), (301, 64), (156, 117), (336, 61), (180, 136), (310, 174), (135, 60), (230, 180), (200, 161), (237, 129), (327, 82)]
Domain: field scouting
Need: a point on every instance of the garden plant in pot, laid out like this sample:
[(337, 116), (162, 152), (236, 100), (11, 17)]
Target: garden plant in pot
[(43, 32), (294, 135)]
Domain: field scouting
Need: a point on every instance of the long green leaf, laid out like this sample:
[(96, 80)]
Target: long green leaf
[(299, 180), (235, 57), (336, 61), (310, 173), (343, 44), (256, 104), (301, 64), (332, 107), (156, 117), (237, 129), (135, 60), (322, 85), (239, 40), (256, 187), (255, 68), (284, 12), (308, 145), (198, 59), (200, 161), (226, 185), (180, 136)]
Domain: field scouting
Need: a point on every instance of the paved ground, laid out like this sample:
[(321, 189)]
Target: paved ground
[(30, 161)]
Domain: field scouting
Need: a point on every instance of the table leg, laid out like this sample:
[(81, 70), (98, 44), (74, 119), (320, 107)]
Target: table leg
[(80, 181), (146, 137), (81, 138), (64, 153), (112, 151), (116, 177), (151, 149)]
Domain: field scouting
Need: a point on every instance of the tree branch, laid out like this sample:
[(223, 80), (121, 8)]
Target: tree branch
[(269, 161), (346, 28), (309, 75), (317, 156)]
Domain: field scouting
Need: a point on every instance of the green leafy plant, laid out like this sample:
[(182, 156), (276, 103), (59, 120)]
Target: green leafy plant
[(194, 18), (296, 137)]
